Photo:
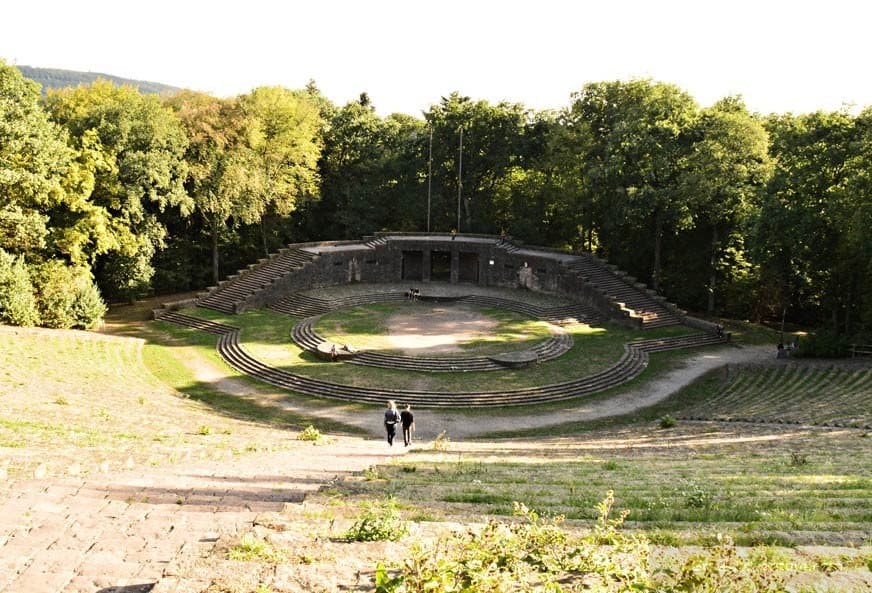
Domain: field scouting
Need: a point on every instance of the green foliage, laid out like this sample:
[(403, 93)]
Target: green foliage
[(251, 548), (667, 421), (17, 302), (133, 146), (380, 521), (535, 554), (823, 344), (67, 298), (310, 433)]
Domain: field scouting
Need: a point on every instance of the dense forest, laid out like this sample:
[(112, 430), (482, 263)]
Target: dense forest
[(107, 193), (55, 78)]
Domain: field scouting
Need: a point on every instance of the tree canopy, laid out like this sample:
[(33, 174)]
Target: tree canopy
[(728, 212)]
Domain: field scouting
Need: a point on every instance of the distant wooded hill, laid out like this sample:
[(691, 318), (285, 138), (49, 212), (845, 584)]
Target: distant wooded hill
[(53, 78)]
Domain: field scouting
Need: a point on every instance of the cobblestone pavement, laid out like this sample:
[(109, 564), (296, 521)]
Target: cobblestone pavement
[(122, 532)]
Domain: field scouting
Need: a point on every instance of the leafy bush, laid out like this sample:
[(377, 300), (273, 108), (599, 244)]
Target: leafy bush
[(67, 297), (17, 303), (667, 421), (535, 554), (823, 344), (310, 434), (380, 521)]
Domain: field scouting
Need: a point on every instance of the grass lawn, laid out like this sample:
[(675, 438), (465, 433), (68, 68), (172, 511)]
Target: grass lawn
[(266, 336)]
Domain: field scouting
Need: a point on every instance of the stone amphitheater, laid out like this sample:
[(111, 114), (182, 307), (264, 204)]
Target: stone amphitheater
[(309, 280)]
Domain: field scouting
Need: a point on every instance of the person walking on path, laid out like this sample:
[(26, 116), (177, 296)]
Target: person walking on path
[(407, 419), (392, 417)]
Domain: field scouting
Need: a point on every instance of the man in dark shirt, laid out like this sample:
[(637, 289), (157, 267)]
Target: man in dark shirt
[(392, 417), (408, 422)]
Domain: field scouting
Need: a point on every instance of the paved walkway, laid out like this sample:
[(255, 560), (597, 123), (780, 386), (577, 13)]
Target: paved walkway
[(124, 532)]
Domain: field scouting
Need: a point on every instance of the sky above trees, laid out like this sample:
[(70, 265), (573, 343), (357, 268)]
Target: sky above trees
[(781, 56)]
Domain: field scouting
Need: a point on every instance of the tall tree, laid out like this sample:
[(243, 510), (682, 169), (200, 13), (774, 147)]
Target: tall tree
[(135, 146), (638, 142), (725, 173), (371, 169), (285, 138), (223, 174), (46, 219), (801, 220), (35, 164), (493, 142)]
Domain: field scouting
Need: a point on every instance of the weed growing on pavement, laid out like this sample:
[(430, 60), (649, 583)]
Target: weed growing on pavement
[(380, 521), (310, 433)]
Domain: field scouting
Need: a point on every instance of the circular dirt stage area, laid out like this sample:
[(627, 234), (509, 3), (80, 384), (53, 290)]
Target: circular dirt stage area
[(437, 329)]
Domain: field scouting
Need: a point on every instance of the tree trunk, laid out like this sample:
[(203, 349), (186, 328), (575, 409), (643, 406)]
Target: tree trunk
[(263, 237), (710, 307), (215, 275), (658, 235)]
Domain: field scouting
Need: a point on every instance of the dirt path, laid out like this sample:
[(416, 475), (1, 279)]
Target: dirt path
[(457, 425)]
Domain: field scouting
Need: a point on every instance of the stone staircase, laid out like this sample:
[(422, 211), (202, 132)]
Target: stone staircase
[(633, 361), (375, 242), (623, 289), (231, 293)]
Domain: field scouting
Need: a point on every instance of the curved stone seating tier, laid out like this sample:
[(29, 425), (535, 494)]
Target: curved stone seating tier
[(630, 365), (301, 305), (325, 351), (305, 336)]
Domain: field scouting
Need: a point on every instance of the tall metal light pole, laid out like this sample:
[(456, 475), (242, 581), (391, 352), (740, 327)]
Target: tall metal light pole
[(429, 177), (459, 179)]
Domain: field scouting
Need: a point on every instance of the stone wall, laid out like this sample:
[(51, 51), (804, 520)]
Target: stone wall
[(498, 264)]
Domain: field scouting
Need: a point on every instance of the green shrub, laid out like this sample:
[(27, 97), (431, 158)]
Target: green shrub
[(17, 301), (310, 434), (380, 521), (535, 554), (667, 421), (67, 297), (823, 344)]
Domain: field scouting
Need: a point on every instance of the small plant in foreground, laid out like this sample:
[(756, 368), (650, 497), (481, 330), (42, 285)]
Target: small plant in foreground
[(798, 459), (380, 521), (204, 430), (442, 442), (310, 434), (535, 554), (62, 401), (667, 421), (251, 548)]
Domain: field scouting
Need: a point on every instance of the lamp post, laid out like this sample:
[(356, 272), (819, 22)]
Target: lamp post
[(459, 179), (429, 177)]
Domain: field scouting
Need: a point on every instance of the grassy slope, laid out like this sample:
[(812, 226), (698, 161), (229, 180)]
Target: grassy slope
[(96, 403), (74, 402), (683, 485)]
